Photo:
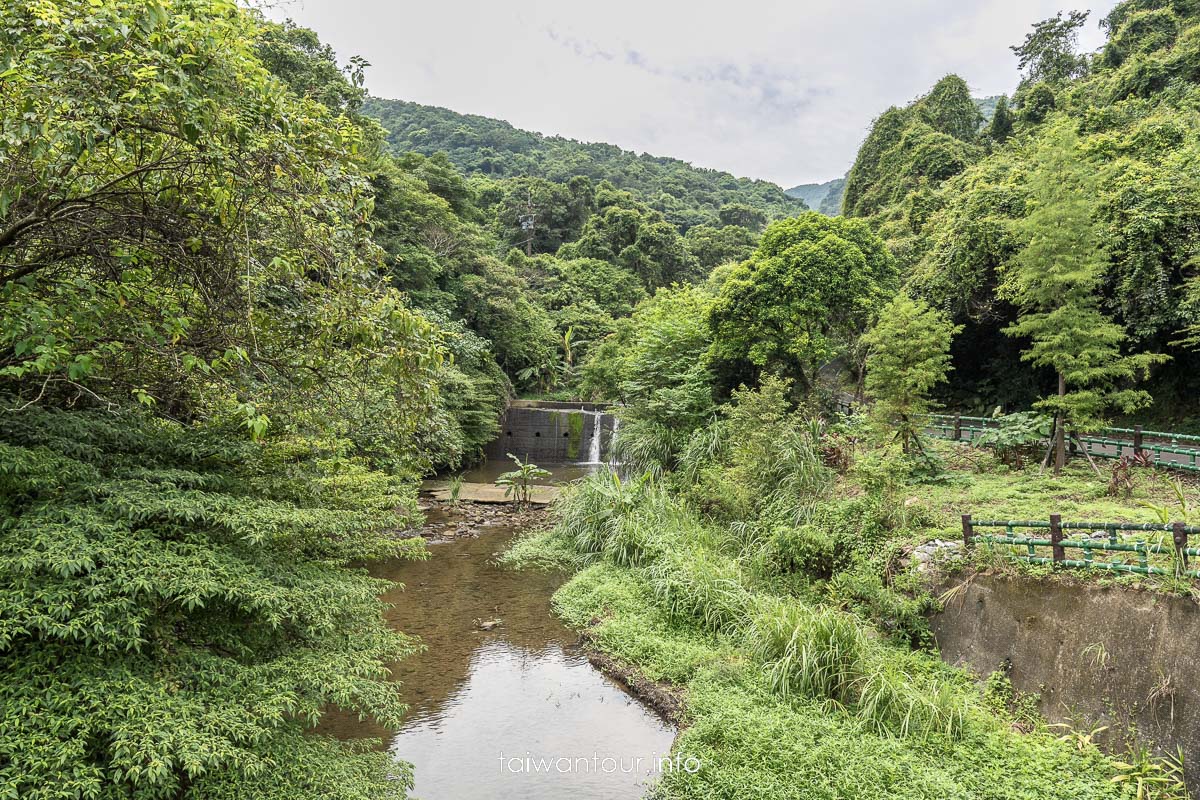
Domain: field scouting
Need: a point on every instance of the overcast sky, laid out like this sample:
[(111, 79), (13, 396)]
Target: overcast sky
[(763, 88)]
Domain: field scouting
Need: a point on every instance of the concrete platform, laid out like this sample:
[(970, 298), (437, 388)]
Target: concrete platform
[(487, 493)]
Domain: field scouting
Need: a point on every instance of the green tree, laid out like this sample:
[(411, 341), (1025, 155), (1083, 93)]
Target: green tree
[(908, 354), (712, 246), (1001, 125), (656, 359), (1048, 52), (950, 109), (742, 215), (200, 370), (811, 287), (626, 233), (1054, 281), (539, 216), (911, 149), (1036, 103)]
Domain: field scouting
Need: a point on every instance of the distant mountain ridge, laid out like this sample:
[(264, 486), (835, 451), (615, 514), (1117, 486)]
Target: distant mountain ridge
[(685, 194), (824, 197)]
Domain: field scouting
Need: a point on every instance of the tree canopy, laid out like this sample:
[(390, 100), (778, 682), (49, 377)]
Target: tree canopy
[(908, 355), (813, 284), (1133, 112)]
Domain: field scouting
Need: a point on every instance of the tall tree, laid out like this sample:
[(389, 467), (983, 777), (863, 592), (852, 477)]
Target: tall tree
[(1054, 281), (908, 354), (1048, 52), (179, 227), (1001, 125), (810, 288)]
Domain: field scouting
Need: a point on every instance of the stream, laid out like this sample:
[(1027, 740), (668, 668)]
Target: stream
[(515, 711)]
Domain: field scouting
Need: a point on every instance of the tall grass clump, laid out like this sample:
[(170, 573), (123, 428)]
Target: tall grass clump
[(706, 446), (590, 511), (815, 653), (646, 446), (774, 454), (825, 654), (623, 520), (700, 586), (892, 702)]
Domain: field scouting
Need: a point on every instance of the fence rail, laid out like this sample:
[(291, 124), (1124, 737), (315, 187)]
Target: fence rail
[(1162, 447), (1176, 550)]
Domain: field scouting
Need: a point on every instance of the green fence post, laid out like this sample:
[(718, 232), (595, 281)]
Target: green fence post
[(1179, 534), (1056, 537), (968, 532)]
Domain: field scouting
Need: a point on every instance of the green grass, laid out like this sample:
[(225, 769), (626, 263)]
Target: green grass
[(788, 695), (753, 743), (793, 639), (994, 492)]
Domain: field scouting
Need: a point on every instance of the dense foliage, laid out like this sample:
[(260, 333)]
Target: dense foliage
[(684, 194), (176, 610), (204, 373), (812, 286), (949, 203), (908, 354)]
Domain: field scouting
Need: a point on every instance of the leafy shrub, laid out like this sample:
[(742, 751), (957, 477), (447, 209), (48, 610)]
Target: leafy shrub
[(862, 590), (183, 597), (1015, 438), (804, 548)]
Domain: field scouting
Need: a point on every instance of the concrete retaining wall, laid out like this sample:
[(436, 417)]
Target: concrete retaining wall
[(1098, 656)]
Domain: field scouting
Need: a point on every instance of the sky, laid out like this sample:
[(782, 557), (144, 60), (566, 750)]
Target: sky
[(783, 91)]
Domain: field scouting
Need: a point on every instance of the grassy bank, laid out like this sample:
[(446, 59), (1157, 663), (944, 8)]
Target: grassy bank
[(796, 630)]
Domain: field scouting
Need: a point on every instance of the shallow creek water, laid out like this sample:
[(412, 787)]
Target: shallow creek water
[(516, 711)]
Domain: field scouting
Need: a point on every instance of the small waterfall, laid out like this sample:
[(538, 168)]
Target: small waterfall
[(594, 445)]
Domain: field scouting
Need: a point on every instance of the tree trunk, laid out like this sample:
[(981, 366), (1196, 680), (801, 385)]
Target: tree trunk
[(1060, 430)]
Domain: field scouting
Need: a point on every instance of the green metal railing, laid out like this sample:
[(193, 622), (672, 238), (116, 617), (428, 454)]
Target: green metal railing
[(1172, 438), (1105, 443), (1175, 549)]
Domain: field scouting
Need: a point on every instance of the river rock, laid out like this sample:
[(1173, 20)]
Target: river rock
[(929, 553)]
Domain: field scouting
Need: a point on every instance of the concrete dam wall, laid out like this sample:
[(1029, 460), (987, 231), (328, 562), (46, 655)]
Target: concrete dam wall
[(555, 433), (1120, 657)]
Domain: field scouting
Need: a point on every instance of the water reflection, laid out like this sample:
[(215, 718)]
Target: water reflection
[(519, 690)]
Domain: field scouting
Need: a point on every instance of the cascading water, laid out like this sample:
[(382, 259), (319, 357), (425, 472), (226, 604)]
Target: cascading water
[(612, 441), (594, 444)]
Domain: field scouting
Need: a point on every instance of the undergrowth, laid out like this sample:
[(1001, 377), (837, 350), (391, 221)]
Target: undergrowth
[(772, 582)]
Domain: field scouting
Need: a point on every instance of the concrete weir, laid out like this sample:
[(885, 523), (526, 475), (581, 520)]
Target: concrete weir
[(554, 432)]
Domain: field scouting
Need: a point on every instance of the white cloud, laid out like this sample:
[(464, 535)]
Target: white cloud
[(764, 88)]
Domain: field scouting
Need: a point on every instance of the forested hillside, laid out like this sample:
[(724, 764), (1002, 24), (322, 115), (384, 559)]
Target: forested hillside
[(245, 309), (235, 329), (1120, 128), (684, 194)]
